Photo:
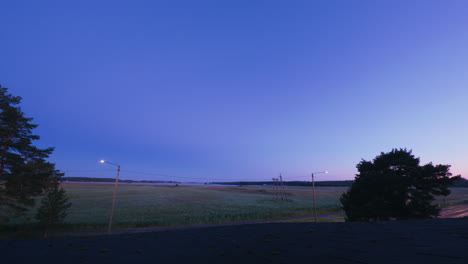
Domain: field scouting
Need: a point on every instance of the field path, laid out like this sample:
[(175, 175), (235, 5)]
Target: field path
[(455, 211)]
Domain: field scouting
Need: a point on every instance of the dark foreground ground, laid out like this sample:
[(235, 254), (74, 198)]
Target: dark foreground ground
[(425, 241)]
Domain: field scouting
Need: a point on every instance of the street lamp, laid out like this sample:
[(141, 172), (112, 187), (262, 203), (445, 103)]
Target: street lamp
[(313, 191), (114, 195)]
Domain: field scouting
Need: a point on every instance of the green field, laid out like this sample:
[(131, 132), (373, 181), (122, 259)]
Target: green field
[(164, 205), (168, 205)]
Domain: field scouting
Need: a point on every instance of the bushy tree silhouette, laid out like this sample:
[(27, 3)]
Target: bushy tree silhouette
[(395, 186), (53, 209), (24, 172)]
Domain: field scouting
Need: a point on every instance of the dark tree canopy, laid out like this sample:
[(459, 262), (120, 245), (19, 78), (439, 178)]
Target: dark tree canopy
[(395, 186), (24, 172)]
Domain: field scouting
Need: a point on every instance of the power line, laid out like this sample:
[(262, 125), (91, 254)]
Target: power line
[(86, 170), (185, 177), (175, 176)]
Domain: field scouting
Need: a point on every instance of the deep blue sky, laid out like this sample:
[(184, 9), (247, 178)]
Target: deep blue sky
[(241, 90)]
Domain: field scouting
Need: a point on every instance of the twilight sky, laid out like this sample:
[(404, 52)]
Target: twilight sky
[(239, 90)]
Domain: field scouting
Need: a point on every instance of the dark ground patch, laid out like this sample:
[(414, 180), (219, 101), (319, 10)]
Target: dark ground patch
[(424, 241)]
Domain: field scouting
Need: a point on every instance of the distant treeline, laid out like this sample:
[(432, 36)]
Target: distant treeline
[(462, 182), (86, 179), (293, 183), (459, 183)]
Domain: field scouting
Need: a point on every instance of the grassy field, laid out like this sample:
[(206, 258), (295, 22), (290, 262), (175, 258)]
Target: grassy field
[(167, 205), (457, 196), (164, 205)]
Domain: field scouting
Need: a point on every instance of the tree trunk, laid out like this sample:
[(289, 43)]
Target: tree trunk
[(3, 160)]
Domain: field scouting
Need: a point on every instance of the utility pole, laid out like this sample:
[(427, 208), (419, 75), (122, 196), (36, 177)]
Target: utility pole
[(283, 192), (274, 188), (113, 195), (313, 193), (278, 191), (113, 199)]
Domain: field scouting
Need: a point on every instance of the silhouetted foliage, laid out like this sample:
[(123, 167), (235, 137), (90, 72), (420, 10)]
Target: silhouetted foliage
[(24, 172), (53, 209), (395, 186)]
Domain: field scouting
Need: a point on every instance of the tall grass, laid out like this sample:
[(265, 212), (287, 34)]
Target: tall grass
[(163, 205), (159, 205)]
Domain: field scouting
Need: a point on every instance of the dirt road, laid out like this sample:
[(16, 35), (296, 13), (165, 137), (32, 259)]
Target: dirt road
[(455, 211)]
